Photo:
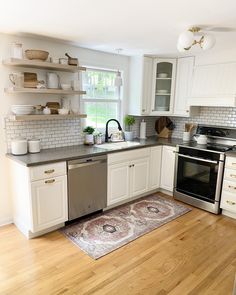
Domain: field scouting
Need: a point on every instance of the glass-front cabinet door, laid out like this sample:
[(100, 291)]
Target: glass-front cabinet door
[(163, 86)]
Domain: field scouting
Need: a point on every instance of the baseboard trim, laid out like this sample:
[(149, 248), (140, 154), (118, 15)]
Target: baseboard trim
[(6, 221), (229, 214)]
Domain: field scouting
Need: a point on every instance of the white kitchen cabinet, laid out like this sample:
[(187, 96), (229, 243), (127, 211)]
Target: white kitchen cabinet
[(139, 177), (49, 202), (168, 168), (163, 86), (39, 197), (155, 167), (128, 175), (184, 76), (118, 182), (140, 85), (214, 85)]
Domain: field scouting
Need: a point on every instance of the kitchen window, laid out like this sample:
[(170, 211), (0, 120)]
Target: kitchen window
[(102, 100)]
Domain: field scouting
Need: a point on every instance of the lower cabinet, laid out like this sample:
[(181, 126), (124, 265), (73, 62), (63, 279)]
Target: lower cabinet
[(49, 202), (118, 182), (131, 174), (168, 168), (40, 205), (155, 167)]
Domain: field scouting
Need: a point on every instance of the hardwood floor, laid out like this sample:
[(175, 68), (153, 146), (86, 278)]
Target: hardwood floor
[(194, 254)]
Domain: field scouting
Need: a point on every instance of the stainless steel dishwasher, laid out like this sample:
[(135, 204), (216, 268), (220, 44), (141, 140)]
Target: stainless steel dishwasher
[(87, 185)]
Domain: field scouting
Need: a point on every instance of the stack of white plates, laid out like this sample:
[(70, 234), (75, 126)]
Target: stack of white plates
[(22, 109)]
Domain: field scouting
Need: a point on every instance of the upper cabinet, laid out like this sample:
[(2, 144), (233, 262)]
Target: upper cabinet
[(163, 86), (184, 76), (160, 87), (140, 85), (214, 85)]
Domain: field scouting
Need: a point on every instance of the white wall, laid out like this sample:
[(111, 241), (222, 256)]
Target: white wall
[(57, 49)]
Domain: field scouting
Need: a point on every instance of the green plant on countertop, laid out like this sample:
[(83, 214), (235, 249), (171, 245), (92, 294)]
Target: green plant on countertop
[(89, 130), (129, 122)]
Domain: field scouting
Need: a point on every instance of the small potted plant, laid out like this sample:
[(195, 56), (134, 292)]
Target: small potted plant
[(129, 122), (89, 135)]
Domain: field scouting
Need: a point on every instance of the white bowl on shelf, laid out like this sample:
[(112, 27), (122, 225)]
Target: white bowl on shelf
[(22, 109), (162, 75), (63, 111), (65, 86), (162, 91)]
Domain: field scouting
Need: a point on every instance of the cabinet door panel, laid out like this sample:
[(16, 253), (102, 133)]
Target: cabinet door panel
[(168, 168), (118, 182), (155, 167), (183, 85), (139, 176), (49, 202)]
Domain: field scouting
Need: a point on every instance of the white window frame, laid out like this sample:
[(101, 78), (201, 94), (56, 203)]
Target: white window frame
[(119, 101)]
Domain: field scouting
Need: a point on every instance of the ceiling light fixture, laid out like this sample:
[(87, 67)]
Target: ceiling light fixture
[(118, 79), (193, 37)]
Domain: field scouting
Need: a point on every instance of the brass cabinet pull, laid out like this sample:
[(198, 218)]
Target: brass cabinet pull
[(233, 187), (230, 202), (49, 181), (233, 175), (49, 171)]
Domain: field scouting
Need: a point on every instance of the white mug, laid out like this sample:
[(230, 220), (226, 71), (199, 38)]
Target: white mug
[(186, 136), (17, 79)]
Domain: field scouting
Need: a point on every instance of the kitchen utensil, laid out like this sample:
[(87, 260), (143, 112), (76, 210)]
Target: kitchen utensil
[(53, 80), (36, 54), (22, 109), (63, 61), (19, 146), (63, 111), (54, 107), (162, 75), (46, 111), (164, 127), (186, 136), (72, 60), (65, 86), (30, 80), (34, 146), (17, 79), (16, 50), (201, 139)]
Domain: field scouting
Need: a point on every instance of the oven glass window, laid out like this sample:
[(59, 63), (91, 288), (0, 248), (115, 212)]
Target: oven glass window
[(197, 178)]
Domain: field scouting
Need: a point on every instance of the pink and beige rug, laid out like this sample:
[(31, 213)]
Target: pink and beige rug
[(103, 233)]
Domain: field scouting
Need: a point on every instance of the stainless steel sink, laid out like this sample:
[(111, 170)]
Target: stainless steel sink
[(117, 145)]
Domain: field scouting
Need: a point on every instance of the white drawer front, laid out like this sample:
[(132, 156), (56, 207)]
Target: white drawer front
[(228, 201), (229, 186), (230, 162), (47, 171), (230, 174), (128, 156)]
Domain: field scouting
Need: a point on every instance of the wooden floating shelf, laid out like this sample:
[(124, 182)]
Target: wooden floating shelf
[(44, 117), (14, 90), (25, 63)]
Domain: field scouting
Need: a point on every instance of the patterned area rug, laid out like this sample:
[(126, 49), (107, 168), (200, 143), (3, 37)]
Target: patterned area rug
[(106, 232)]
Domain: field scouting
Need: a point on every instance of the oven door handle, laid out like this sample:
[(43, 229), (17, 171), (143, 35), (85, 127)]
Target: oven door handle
[(198, 159)]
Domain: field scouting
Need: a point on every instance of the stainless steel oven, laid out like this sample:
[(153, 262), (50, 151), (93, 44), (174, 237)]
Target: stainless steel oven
[(198, 177)]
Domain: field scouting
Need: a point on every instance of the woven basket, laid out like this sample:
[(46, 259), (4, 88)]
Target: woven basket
[(36, 54)]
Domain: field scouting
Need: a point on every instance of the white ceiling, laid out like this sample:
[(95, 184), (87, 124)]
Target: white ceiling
[(137, 26)]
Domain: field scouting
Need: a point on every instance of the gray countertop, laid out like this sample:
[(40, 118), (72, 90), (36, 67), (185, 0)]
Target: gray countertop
[(47, 156), (231, 153)]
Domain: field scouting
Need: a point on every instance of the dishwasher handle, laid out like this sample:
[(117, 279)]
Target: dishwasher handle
[(86, 164)]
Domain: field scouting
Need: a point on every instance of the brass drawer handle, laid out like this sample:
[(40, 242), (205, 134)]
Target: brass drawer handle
[(233, 175), (49, 171), (49, 181), (230, 202), (230, 186)]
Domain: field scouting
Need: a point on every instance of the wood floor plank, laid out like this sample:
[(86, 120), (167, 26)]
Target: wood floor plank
[(194, 254)]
